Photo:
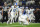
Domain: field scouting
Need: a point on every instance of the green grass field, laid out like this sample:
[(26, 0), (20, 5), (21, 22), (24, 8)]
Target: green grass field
[(20, 25)]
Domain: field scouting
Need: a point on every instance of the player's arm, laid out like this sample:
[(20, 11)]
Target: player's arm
[(2, 11), (27, 19), (35, 11), (9, 11)]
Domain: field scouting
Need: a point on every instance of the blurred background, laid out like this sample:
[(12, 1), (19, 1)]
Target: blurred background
[(29, 3), (26, 3)]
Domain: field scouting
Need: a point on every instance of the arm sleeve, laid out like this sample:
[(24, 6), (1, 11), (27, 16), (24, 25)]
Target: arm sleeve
[(10, 10)]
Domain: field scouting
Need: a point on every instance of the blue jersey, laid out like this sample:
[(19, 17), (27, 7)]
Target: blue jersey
[(24, 12), (14, 10)]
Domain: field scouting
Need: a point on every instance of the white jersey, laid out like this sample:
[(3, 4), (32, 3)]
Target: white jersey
[(13, 10), (31, 11), (27, 11), (31, 14), (13, 14), (20, 11), (12, 7)]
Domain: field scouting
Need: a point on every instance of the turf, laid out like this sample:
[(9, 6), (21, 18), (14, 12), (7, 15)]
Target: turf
[(20, 25)]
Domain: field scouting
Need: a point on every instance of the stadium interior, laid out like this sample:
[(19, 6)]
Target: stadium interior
[(27, 4)]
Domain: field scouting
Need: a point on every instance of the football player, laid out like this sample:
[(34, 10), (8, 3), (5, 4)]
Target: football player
[(23, 17), (31, 13), (13, 13)]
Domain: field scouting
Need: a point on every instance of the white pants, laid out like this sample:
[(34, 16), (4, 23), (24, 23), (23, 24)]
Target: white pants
[(16, 17), (23, 18), (11, 18), (0, 16), (31, 16)]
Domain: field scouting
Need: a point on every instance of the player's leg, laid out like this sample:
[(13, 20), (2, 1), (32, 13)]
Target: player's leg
[(30, 18), (11, 19), (19, 20), (15, 18), (26, 20), (8, 21), (26, 23)]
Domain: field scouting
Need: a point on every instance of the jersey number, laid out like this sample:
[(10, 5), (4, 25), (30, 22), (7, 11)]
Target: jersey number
[(14, 10)]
